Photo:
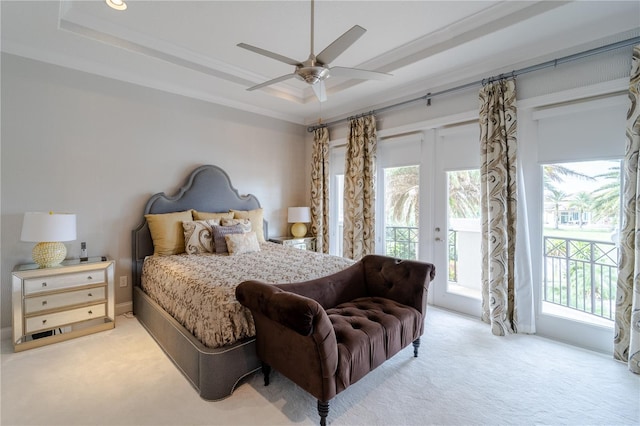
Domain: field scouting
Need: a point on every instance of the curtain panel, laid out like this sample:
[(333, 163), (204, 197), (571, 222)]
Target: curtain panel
[(498, 205), (627, 320), (320, 189), (359, 188)]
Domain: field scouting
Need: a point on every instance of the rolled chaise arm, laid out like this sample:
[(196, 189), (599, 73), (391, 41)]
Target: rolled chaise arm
[(276, 313), (291, 310)]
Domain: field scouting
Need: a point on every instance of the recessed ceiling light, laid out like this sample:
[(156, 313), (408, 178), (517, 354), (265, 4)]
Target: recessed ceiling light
[(117, 4)]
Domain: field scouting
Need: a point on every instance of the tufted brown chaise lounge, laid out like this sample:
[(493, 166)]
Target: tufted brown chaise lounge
[(328, 333)]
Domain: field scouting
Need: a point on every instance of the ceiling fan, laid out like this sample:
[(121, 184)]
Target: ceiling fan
[(315, 70)]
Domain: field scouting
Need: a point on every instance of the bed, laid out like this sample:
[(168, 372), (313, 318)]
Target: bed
[(187, 301)]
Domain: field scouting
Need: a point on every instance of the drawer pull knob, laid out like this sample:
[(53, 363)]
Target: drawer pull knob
[(89, 277), (90, 312), (90, 295), (44, 302), (44, 321), (44, 284)]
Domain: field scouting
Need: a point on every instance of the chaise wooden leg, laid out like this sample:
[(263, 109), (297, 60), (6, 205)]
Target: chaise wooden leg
[(416, 345), (323, 410), (266, 371)]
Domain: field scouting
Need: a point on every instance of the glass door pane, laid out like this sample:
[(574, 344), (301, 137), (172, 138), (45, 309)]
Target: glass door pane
[(401, 211), (463, 243)]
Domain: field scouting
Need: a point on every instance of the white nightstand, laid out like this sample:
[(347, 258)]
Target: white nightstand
[(55, 304), (304, 243)]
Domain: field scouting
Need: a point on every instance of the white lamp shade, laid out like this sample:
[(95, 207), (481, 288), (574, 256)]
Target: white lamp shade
[(299, 215), (48, 227)]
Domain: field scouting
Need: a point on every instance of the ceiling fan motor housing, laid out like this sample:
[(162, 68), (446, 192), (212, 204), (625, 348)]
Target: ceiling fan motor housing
[(312, 74)]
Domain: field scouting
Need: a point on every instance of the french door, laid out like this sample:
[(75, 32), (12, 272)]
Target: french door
[(456, 230), (399, 197)]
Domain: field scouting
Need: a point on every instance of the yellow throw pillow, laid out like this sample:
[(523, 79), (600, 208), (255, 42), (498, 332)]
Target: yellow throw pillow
[(208, 216), (255, 216), (167, 232)]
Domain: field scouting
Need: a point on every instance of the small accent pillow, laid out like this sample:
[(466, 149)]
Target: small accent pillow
[(245, 223), (166, 232), (215, 216), (198, 236), (256, 218), (242, 243), (219, 233)]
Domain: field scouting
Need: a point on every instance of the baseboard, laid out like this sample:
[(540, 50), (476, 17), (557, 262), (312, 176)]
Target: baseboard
[(123, 308)]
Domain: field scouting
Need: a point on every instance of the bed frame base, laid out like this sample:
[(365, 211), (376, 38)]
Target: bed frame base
[(214, 373)]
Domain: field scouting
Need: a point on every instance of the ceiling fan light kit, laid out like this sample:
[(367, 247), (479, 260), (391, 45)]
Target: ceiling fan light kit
[(315, 70)]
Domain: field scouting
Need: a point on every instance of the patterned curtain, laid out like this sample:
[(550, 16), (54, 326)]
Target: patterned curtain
[(627, 323), (498, 205), (320, 189), (359, 188)]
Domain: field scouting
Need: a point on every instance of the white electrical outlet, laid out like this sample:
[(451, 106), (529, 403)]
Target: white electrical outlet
[(123, 281)]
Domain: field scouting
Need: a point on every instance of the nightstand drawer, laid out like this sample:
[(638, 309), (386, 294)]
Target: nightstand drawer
[(296, 244), (58, 319), (58, 282), (59, 300)]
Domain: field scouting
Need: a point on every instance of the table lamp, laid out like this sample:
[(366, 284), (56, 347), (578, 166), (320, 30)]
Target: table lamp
[(48, 230), (299, 216)]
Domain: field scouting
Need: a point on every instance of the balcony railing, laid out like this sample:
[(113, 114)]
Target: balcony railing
[(581, 275), (401, 242), (578, 274)]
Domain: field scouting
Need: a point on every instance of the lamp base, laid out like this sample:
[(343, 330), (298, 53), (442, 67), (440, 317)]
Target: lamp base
[(298, 230), (48, 254)]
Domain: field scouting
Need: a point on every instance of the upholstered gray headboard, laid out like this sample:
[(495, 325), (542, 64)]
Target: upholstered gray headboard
[(208, 189)]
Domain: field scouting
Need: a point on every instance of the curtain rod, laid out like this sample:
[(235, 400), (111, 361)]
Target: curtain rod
[(512, 74)]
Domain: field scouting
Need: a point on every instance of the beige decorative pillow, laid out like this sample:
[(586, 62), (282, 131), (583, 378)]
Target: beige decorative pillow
[(206, 215), (198, 236), (245, 223), (255, 216), (242, 243), (167, 233)]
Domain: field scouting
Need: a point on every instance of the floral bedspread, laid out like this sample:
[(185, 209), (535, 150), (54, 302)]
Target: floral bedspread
[(199, 290)]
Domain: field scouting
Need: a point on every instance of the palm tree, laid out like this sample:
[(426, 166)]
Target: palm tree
[(402, 195), (606, 198), (582, 202), (464, 194), (555, 196), (555, 173)]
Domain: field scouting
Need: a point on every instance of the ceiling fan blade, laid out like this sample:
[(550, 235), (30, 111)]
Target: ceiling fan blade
[(358, 73), (269, 54), (270, 82), (320, 91), (341, 44)]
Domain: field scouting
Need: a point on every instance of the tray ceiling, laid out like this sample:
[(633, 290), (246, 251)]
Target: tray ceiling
[(189, 47)]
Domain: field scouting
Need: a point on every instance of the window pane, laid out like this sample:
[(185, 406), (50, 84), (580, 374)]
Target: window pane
[(581, 220), (336, 243)]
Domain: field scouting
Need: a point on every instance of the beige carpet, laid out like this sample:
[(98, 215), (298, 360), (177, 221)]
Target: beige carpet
[(464, 376)]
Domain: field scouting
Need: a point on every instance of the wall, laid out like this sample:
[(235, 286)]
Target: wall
[(75, 142)]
